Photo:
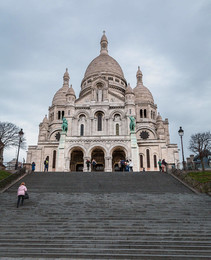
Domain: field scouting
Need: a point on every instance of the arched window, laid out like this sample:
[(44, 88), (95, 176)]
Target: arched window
[(141, 113), (82, 130), (148, 159), (141, 161), (99, 121), (155, 161), (145, 113), (117, 129), (62, 114), (59, 114), (54, 160)]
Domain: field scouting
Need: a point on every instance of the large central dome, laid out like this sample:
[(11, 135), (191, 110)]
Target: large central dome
[(104, 64)]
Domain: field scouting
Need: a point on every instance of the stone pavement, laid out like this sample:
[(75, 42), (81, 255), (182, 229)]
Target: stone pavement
[(105, 216)]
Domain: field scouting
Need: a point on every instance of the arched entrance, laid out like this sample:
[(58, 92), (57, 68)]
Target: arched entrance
[(98, 156), (117, 155), (76, 160)]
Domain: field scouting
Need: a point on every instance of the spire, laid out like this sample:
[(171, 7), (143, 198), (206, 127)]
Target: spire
[(129, 90), (66, 78), (139, 76), (104, 44)]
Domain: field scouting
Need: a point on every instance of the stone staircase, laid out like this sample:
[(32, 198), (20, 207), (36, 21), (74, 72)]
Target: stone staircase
[(105, 216)]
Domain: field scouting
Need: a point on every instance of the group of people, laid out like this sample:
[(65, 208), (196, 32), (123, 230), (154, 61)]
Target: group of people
[(45, 165), (162, 165), (93, 163), (125, 165)]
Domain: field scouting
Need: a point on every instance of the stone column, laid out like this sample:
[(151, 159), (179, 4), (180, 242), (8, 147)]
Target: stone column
[(67, 164), (60, 155), (134, 152), (108, 164)]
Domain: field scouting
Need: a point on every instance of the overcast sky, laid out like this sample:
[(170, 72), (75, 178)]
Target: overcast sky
[(168, 39)]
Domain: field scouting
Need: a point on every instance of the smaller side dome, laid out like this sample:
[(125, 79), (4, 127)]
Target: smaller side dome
[(70, 91), (45, 120), (159, 118), (142, 93), (60, 96), (129, 90)]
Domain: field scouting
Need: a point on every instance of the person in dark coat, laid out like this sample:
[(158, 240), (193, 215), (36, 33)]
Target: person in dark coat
[(163, 165), (88, 164), (33, 166)]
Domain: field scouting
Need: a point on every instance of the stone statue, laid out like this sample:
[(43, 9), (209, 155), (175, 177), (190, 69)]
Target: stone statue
[(64, 125), (132, 123)]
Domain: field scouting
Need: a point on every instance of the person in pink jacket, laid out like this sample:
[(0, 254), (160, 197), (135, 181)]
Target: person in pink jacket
[(21, 193)]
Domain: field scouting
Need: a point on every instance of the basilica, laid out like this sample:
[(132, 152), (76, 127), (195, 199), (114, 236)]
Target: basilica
[(98, 123)]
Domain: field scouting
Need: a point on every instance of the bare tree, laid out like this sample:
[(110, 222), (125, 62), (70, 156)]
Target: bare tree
[(201, 144), (9, 137)]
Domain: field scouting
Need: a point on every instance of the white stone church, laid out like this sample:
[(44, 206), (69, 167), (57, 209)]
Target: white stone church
[(98, 123)]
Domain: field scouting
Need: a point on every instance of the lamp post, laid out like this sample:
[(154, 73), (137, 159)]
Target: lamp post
[(21, 133), (181, 133)]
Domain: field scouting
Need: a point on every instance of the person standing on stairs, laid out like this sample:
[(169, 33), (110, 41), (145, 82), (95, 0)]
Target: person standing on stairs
[(94, 164), (46, 164), (21, 193), (33, 166), (164, 165), (160, 165)]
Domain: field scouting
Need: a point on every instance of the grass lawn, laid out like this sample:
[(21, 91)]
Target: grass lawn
[(4, 174), (201, 177)]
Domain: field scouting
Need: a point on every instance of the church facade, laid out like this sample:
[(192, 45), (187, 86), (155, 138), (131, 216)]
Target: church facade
[(99, 123)]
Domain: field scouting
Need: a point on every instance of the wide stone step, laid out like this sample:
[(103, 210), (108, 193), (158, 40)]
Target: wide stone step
[(137, 242), (112, 238), (57, 252), (133, 229), (74, 256)]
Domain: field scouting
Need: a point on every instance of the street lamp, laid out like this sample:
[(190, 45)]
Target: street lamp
[(21, 133), (181, 133)]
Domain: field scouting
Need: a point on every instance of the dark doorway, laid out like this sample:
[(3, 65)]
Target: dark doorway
[(76, 161), (98, 156), (117, 155)]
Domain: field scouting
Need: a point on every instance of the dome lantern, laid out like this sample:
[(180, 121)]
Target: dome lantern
[(66, 78), (139, 76), (104, 44)]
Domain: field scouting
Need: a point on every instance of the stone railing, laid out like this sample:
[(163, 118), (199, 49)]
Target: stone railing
[(12, 178), (203, 187)]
